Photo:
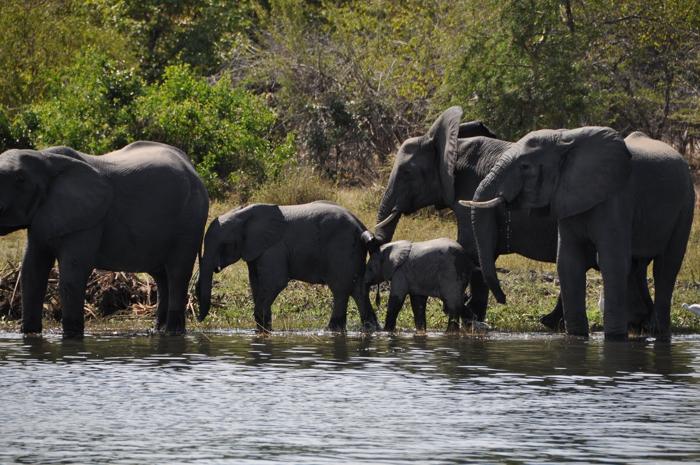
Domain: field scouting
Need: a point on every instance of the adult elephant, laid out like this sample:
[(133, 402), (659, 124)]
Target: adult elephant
[(140, 209), (447, 165), (620, 203)]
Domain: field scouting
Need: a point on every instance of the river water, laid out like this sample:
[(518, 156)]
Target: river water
[(319, 398)]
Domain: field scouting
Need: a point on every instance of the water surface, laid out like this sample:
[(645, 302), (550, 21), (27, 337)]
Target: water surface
[(307, 398)]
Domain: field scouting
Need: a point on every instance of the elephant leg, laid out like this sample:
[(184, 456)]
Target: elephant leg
[(478, 298), (666, 268), (339, 316), (418, 304), (452, 309), (571, 267), (554, 320), (75, 263), (178, 278), (266, 283), (178, 272), (615, 268), (36, 266), (360, 295), (639, 304), (393, 308), (161, 280)]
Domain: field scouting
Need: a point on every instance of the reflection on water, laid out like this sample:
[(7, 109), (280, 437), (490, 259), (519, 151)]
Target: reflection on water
[(238, 398)]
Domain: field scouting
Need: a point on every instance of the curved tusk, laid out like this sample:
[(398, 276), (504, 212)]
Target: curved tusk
[(487, 204), (387, 220)]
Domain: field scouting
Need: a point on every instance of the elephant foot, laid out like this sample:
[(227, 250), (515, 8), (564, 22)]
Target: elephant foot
[(420, 332), (31, 330), (613, 337), (452, 327), (335, 326), (553, 321), (73, 333), (370, 326)]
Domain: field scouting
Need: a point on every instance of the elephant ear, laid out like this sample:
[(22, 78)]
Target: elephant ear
[(595, 165), (444, 134), (77, 198), (475, 129), (264, 227), (393, 256)]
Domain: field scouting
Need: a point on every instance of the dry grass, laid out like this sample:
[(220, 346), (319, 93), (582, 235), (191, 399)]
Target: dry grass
[(531, 287)]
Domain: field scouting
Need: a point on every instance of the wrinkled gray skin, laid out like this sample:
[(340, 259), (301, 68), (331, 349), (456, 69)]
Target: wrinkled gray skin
[(140, 209), (318, 243), (436, 268), (631, 201), (446, 165)]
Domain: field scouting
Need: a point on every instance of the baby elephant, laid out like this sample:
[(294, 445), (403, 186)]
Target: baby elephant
[(318, 243), (436, 268)]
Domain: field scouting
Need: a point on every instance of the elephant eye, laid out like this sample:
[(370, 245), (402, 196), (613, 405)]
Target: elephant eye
[(19, 178), (525, 167)]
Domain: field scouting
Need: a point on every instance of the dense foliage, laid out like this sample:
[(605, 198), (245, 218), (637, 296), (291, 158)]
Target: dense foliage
[(249, 87)]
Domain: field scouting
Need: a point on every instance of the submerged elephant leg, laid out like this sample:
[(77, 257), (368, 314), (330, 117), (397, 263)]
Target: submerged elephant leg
[(36, 266), (479, 296), (178, 280), (640, 306), (266, 282), (666, 268), (75, 263), (339, 315), (452, 309), (161, 280), (392, 312), (418, 304), (571, 267), (361, 297), (72, 284)]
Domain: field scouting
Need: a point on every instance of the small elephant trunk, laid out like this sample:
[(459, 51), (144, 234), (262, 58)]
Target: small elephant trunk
[(206, 272)]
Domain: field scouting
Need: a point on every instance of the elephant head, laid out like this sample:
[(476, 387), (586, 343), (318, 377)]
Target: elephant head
[(424, 170), (243, 233), (50, 193), (383, 264), (567, 171)]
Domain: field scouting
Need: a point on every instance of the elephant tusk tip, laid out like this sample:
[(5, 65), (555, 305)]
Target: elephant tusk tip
[(486, 204)]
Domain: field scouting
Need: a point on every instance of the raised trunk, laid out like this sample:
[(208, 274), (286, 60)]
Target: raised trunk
[(385, 232), (206, 275), (485, 226)]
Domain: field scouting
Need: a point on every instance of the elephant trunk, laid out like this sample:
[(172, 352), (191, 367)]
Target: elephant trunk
[(388, 216), (206, 275), (485, 226)]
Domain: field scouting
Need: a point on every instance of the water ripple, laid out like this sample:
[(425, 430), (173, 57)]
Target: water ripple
[(238, 398)]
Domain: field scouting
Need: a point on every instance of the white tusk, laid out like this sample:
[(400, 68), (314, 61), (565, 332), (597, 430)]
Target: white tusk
[(387, 220), (487, 204)]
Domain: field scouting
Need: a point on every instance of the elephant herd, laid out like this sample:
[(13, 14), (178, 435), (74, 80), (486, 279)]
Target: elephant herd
[(583, 198)]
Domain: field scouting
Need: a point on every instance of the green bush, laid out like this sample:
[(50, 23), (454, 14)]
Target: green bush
[(226, 131), (90, 107)]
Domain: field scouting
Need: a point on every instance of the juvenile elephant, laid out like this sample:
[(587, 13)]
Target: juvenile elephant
[(436, 268), (141, 209), (318, 243), (618, 203)]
